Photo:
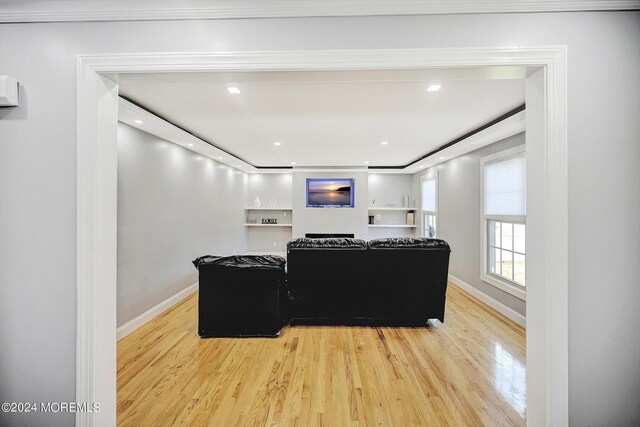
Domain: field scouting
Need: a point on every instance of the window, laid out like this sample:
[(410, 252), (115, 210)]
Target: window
[(429, 206), (504, 209), (506, 250)]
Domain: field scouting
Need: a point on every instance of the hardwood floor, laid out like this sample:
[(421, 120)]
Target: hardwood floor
[(467, 371)]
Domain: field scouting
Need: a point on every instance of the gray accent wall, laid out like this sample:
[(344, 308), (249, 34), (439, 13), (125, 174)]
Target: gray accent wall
[(459, 216), (173, 206)]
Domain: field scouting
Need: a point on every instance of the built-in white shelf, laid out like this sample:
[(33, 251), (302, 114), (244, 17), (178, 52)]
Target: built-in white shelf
[(268, 225), (392, 226), (267, 209), (373, 208)]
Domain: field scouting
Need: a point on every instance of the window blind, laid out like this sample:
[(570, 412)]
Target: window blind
[(505, 187), (429, 195)]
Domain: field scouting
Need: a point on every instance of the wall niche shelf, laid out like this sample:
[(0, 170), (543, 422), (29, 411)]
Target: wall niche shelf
[(373, 208), (393, 216), (286, 212), (268, 239), (268, 225), (392, 226), (267, 209)]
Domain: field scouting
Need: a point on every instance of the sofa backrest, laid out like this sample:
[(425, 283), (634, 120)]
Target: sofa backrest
[(399, 278), (324, 276), (411, 274), (326, 243), (408, 243)]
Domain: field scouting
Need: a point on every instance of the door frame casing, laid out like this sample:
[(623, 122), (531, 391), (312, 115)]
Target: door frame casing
[(547, 250)]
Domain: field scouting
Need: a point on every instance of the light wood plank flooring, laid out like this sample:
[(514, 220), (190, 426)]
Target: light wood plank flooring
[(468, 371)]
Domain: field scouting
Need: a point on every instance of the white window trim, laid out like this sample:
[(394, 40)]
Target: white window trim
[(424, 223), (427, 176), (512, 288)]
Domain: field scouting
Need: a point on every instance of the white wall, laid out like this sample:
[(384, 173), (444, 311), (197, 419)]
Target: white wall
[(266, 187), (330, 220), (390, 189), (459, 216), (385, 189), (173, 206), (270, 187), (38, 203)]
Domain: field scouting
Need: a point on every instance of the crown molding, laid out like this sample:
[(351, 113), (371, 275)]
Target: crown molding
[(13, 11), (158, 126), (503, 129)]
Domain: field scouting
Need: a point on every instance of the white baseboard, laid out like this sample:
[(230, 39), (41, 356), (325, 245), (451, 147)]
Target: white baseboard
[(154, 312), (491, 302)]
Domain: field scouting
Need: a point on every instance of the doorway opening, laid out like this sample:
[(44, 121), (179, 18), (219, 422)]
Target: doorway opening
[(546, 223)]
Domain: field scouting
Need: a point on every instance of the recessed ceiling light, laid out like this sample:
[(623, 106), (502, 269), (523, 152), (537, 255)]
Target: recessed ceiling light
[(233, 89), (277, 143), (138, 121), (441, 158), (239, 166), (434, 88), (366, 163), (293, 163), (219, 158), (384, 143), (190, 145)]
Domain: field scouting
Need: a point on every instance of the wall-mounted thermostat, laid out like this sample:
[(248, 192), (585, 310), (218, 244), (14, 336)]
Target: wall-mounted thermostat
[(8, 91)]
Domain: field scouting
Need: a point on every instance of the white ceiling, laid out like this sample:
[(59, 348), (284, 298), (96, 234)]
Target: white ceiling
[(329, 118)]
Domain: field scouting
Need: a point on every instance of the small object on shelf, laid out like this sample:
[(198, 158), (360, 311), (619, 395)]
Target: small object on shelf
[(378, 219), (371, 219), (252, 220), (257, 203), (273, 203), (269, 220), (411, 218)]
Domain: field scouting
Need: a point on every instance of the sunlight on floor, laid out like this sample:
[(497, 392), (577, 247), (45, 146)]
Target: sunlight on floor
[(510, 378)]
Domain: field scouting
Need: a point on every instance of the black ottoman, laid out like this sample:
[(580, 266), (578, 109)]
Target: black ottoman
[(240, 295)]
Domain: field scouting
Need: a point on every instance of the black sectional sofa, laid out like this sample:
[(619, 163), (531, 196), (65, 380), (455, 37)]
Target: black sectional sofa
[(344, 281), (394, 281)]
